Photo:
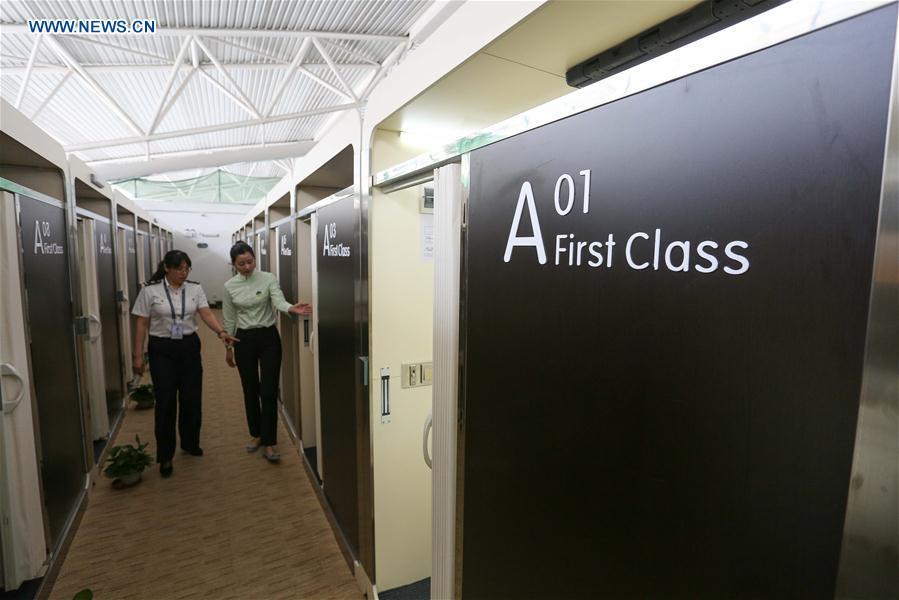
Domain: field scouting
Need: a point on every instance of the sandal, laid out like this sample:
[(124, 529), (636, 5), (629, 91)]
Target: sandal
[(272, 457), (253, 446)]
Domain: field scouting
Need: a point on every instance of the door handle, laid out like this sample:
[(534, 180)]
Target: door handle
[(8, 369), (424, 440), (96, 319)]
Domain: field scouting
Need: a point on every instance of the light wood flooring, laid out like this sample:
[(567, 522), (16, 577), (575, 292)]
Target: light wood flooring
[(225, 525)]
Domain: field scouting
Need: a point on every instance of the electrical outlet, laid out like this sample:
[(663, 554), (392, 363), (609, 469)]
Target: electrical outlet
[(410, 375)]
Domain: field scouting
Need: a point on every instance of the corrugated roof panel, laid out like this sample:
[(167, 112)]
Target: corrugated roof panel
[(141, 68)]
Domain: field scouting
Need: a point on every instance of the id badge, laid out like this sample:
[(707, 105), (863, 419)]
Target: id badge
[(177, 331)]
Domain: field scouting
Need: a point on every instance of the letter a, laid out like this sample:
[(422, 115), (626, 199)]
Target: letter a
[(325, 247), (536, 240), (38, 240)]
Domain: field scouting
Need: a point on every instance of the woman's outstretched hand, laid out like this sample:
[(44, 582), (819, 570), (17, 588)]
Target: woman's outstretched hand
[(301, 309)]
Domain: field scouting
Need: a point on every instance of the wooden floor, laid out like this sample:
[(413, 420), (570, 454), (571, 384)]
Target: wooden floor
[(225, 525)]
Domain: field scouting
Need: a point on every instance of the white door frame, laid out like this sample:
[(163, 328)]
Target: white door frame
[(450, 197)]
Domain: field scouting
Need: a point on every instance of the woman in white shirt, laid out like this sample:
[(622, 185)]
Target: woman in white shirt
[(167, 307)]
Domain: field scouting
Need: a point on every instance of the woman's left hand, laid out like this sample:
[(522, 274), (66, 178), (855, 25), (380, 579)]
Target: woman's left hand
[(301, 309)]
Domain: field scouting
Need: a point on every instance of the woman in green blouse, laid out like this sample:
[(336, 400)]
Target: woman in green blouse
[(250, 297)]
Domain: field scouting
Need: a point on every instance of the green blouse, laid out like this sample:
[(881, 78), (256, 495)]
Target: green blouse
[(249, 300)]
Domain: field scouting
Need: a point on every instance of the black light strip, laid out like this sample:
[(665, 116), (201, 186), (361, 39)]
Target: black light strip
[(701, 20)]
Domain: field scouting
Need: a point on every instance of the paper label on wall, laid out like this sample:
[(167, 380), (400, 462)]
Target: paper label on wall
[(427, 238)]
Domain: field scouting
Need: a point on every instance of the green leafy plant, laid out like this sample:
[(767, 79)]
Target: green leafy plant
[(143, 395), (126, 459)]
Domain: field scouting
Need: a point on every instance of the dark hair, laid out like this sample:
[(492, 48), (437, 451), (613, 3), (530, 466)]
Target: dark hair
[(239, 248), (172, 260)]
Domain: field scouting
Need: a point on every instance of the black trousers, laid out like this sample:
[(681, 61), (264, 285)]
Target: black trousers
[(258, 358), (177, 373)]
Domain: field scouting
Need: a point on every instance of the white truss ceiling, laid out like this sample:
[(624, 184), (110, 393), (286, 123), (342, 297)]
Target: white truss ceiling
[(223, 75)]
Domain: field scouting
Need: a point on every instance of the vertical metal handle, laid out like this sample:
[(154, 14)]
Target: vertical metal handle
[(8, 369), (424, 440), (385, 395), (96, 319), (306, 337)]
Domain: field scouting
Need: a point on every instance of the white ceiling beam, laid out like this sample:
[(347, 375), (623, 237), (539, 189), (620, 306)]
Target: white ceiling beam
[(93, 85), (136, 167), (325, 84), (194, 55), (180, 89), (276, 59), (179, 60), (225, 74), (22, 28), (388, 63), (249, 109), (24, 87), (212, 128), (23, 60), (285, 79), (278, 148), (352, 52), (52, 93), (128, 68), (89, 40), (321, 50)]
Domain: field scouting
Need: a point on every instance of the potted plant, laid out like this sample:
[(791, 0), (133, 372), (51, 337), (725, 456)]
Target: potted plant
[(143, 395), (126, 462)]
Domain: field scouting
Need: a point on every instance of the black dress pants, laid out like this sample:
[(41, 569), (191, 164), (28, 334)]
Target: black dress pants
[(177, 373), (258, 358)]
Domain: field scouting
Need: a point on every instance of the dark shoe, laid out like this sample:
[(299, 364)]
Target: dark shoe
[(165, 468), (272, 457), (194, 451)]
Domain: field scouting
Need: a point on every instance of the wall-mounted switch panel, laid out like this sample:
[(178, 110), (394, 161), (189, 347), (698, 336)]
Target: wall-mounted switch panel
[(417, 374), (426, 373)]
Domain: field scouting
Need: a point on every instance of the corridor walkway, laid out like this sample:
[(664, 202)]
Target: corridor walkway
[(225, 525)]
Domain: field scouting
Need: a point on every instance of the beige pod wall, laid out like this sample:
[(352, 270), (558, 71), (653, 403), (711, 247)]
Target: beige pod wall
[(22, 522), (401, 303), (92, 344)]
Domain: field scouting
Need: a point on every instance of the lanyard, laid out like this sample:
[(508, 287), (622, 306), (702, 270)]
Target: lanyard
[(171, 305)]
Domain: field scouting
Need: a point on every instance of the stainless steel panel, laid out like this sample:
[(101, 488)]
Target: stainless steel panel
[(869, 560)]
